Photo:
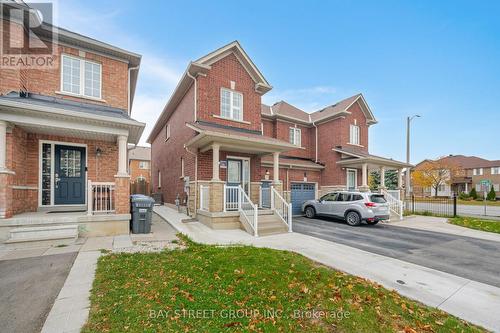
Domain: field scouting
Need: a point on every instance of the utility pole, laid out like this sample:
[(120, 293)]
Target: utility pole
[(408, 126)]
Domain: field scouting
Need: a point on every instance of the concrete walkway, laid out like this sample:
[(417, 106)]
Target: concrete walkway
[(440, 224), (71, 308), (464, 298)]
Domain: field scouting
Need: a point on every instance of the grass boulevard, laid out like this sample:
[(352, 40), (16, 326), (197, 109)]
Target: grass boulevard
[(202, 288)]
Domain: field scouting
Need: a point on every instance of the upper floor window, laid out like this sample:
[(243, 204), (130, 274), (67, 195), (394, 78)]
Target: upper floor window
[(477, 172), (167, 132), (231, 104), (495, 170), (80, 77), (143, 165), (354, 135), (295, 136)]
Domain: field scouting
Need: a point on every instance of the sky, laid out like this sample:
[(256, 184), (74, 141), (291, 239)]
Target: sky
[(438, 59)]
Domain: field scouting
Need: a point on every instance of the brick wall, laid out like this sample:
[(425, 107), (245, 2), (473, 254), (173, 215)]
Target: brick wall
[(136, 171), (336, 133), (166, 156), (23, 159), (48, 81), (222, 73)]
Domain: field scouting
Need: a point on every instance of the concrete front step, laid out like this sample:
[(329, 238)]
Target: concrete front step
[(40, 236), (264, 212)]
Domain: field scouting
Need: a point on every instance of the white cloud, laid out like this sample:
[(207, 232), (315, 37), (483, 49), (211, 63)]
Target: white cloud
[(158, 74), (308, 99)]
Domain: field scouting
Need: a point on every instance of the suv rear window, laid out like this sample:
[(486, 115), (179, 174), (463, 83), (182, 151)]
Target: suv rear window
[(377, 198)]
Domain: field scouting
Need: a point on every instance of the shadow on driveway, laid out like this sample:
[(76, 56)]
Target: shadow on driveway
[(28, 288)]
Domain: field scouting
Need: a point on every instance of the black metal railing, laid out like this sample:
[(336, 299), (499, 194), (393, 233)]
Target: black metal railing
[(435, 206)]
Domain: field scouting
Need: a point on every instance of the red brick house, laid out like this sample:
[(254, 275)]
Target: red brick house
[(216, 143), (63, 137)]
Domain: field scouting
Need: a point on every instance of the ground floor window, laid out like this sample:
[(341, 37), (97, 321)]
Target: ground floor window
[(46, 174)]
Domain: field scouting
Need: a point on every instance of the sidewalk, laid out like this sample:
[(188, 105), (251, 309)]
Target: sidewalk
[(71, 309), (440, 224), (461, 297)]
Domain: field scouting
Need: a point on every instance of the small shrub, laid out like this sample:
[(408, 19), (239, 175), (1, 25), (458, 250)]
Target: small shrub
[(463, 196), (473, 194), (492, 196)]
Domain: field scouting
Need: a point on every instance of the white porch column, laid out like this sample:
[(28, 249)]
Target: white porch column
[(400, 179), (122, 155), (365, 175), (215, 161), (466, 187), (276, 167), (382, 177), (3, 146)]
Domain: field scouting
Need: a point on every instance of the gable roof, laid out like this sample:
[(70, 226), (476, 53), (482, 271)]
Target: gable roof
[(286, 110), (466, 162), (342, 107), (236, 49), (200, 67), (140, 153)]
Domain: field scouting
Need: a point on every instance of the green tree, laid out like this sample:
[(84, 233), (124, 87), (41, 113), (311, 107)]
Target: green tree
[(391, 180), (491, 194), (473, 193)]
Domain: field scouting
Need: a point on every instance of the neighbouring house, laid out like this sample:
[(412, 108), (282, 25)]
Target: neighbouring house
[(139, 164), (63, 137), (221, 152), (464, 173)]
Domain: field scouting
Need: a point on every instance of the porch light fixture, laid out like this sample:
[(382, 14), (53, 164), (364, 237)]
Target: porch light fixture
[(267, 174), (98, 152)]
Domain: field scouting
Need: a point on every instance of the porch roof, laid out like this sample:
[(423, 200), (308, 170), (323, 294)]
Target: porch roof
[(49, 115), (356, 159), (292, 163), (232, 139)]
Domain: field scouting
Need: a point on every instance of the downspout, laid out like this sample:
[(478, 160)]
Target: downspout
[(128, 92), (195, 95), (190, 152), (316, 134), (195, 179)]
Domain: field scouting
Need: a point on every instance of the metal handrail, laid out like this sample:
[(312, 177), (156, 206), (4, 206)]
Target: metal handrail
[(394, 204)]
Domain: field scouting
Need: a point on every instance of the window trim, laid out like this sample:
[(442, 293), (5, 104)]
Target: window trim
[(231, 117), (297, 133), (82, 77), (352, 136), (167, 132), (478, 173), (140, 167)]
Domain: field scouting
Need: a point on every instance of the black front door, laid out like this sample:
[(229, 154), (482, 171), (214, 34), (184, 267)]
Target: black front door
[(69, 175)]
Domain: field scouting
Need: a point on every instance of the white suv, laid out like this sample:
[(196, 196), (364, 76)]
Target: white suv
[(353, 207)]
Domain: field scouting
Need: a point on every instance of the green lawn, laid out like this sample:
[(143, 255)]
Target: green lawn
[(247, 289), (479, 224), (478, 202)]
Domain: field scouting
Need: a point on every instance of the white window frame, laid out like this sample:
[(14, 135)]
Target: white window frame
[(296, 138), (167, 132), (159, 178), (354, 135), (182, 167), (495, 170), (477, 172), (231, 104), (82, 77), (141, 165), (348, 170)]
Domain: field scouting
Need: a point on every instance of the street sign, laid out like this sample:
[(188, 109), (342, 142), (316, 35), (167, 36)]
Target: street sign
[(485, 185)]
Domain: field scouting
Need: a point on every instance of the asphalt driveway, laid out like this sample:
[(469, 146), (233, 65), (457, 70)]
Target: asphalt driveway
[(471, 258), (28, 288)]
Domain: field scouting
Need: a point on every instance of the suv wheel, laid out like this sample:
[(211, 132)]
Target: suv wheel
[(353, 218), (310, 212)]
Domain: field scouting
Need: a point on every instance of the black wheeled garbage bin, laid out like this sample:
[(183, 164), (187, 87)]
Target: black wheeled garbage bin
[(141, 209)]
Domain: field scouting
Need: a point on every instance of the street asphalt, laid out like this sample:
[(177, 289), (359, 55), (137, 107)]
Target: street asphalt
[(28, 288), (471, 258)]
